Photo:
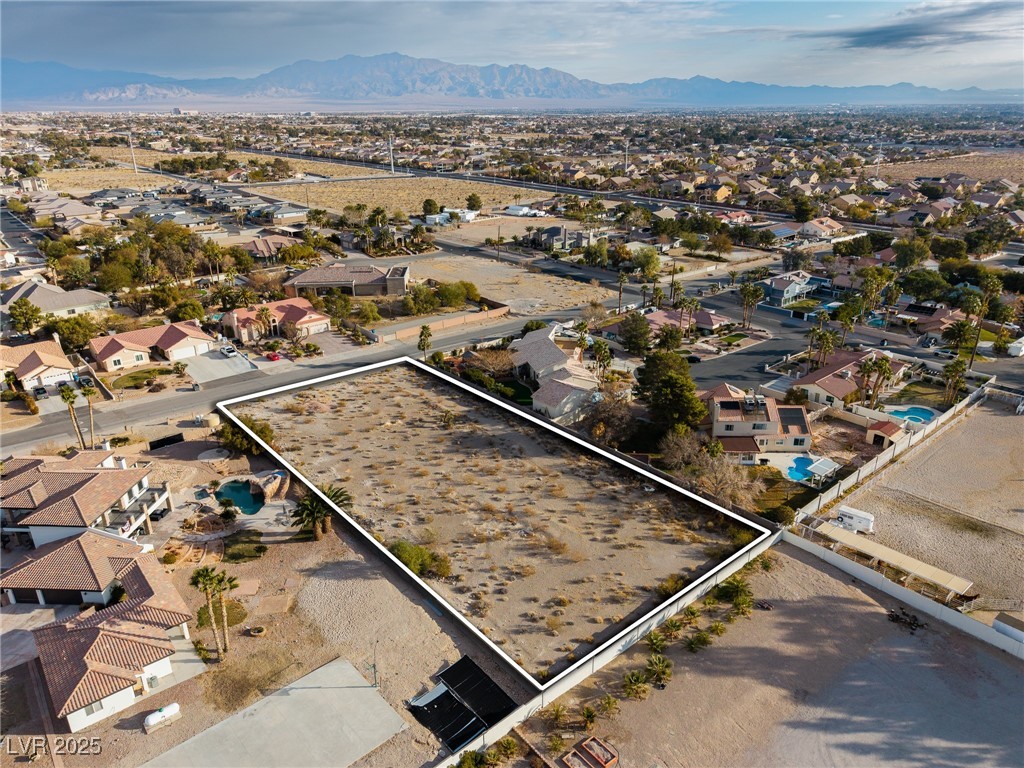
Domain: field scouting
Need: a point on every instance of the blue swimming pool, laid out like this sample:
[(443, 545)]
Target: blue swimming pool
[(876, 322), (916, 413), (238, 491), (797, 471)]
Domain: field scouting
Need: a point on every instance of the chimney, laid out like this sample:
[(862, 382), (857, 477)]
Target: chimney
[(122, 462), (105, 445)]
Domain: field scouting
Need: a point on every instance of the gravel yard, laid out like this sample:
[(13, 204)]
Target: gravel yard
[(527, 293), (823, 679), (956, 501)]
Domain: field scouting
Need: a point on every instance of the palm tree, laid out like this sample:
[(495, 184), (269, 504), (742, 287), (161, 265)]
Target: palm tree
[(205, 580), (751, 295), (827, 342), (655, 641), (643, 292), (657, 296), (865, 371), (608, 705), (68, 395), (953, 375), (659, 669), (589, 717), (311, 512), (991, 287), (224, 584), (958, 334), (622, 281), (812, 339), (89, 393), (847, 326), (265, 320), (883, 374), (634, 685), (733, 274)]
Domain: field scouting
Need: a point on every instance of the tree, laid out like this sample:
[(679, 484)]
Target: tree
[(473, 202), (647, 260), (609, 421), (205, 580), (24, 315), (311, 511), (635, 686), (635, 333), (75, 332), (954, 376), (89, 393), (533, 325), (669, 337), (751, 294), (828, 340), (679, 448), (602, 356), (430, 207), (235, 439), (958, 334), (423, 345), (368, 313), (621, 280), (925, 285), (910, 253), (733, 274), (804, 209), (190, 309), (720, 244), (223, 584), (113, 277), (991, 288), (664, 384), (68, 396), (883, 374)]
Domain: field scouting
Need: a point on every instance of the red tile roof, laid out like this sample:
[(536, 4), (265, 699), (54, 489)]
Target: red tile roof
[(88, 561), (163, 337)]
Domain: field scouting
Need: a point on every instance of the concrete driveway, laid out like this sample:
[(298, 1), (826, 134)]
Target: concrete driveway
[(18, 621), (330, 717), (213, 365)]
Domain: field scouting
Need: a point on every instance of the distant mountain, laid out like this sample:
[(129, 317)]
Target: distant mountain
[(394, 80)]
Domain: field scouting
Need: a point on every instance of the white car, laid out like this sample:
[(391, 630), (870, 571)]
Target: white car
[(228, 351)]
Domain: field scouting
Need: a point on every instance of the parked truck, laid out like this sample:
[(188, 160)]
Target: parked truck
[(855, 520)]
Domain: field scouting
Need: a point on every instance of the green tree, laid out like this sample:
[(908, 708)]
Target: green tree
[(235, 439), (635, 333), (910, 253), (602, 356), (430, 207), (190, 309), (622, 279), (659, 669), (313, 513), (423, 345), (720, 243), (804, 209), (473, 202), (368, 313), (925, 285), (664, 384), (954, 375), (205, 580), (75, 332), (751, 294), (533, 325), (958, 334), (669, 337), (647, 260), (991, 288), (89, 393), (68, 396), (24, 315), (113, 277)]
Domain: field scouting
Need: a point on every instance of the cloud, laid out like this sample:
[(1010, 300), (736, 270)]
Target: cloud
[(942, 25)]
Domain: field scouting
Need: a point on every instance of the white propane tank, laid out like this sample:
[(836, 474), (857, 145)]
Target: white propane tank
[(164, 713)]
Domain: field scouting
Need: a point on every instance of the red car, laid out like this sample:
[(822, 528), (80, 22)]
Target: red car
[(273, 356)]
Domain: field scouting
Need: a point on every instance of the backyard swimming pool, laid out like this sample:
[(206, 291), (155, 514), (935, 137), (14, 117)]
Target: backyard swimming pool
[(915, 413), (238, 491), (876, 322), (797, 471)]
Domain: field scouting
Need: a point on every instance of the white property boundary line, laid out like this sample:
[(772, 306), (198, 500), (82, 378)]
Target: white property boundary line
[(764, 533)]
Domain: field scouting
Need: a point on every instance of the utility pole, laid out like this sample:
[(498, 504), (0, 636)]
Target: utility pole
[(131, 146), (625, 163), (391, 151)]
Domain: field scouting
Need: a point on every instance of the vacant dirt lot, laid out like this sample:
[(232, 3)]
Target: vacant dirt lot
[(823, 679), (405, 194), (956, 502), (552, 550), (507, 227), (527, 293), (150, 157), (983, 166), (90, 179)]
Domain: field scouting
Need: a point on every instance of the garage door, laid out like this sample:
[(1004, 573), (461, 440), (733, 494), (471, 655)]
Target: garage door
[(25, 595), (62, 596)]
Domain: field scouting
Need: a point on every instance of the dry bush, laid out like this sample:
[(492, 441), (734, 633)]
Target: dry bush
[(243, 680)]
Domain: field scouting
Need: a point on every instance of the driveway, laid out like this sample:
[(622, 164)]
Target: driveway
[(18, 622), (213, 365), (330, 717)]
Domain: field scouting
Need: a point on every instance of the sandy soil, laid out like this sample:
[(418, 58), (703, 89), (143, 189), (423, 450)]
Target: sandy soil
[(406, 195), (527, 293), (956, 502), (476, 232), (150, 157), (551, 551), (983, 166), (823, 679), (82, 182), (842, 442)]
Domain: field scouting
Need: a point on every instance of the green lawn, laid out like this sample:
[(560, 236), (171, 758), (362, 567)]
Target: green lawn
[(138, 378), (920, 393), (780, 490), (805, 305), (733, 338), (243, 546)]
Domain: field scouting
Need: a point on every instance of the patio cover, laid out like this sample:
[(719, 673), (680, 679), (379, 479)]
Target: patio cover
[(823, 467)]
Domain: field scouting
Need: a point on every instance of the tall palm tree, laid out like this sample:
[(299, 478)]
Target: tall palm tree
[(89, 393), (733, 274), (991, 287), (883, 374), (205, 580), (643, 292), (622, 281), (265, 320), (657, 296), (68, 395), (224, 583), (847, 326), (828, 340), (953, 376), (865, 372)]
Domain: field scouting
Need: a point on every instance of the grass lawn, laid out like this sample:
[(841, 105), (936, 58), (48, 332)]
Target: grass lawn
[(780, 490), (805, 305), (920, 393), (733, 338), (137, 379), (243, 546), (523, 394), (236, 614)]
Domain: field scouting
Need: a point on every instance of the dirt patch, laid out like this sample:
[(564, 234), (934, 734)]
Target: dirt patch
[(842, 442), (955, 502), (983, 166), (150, 157), (89, 180), (405, 194), (527, 293)]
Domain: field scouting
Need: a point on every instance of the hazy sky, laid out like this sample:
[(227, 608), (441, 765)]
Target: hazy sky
[(940, 43)]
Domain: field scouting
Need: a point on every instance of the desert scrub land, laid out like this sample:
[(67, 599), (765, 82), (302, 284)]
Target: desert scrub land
[(90, 179), (983, 166), (402, 194), (526, 292), (550, 550), (150, 157)]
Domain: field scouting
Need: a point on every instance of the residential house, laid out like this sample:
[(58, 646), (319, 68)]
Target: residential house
[(52, 300), (839, 379), (267, 248), (102, 661), (44, 500), (748, 424), (41, 364), (174, 342), (823, 227), (789, 288), (293, 318), (564, 386), (354, 280), (279, 213)]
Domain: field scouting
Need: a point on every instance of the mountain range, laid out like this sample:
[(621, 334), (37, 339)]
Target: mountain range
[(393, 80)]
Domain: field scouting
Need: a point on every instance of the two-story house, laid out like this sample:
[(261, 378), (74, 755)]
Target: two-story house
[(563, 384), (748, 424)]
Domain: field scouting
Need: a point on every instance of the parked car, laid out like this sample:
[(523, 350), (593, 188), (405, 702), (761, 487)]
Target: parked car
[(692, 359), (86, 381), (228, 351), (948, 354), (39, 393), (273, 356)]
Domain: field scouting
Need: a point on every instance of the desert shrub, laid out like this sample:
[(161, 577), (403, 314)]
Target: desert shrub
[(421, 560), (669, 586), (555, 744), (30, 403), (8, 395), (202, 651), (635, 686), (782, 514), (732, 588), (169, 558)]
